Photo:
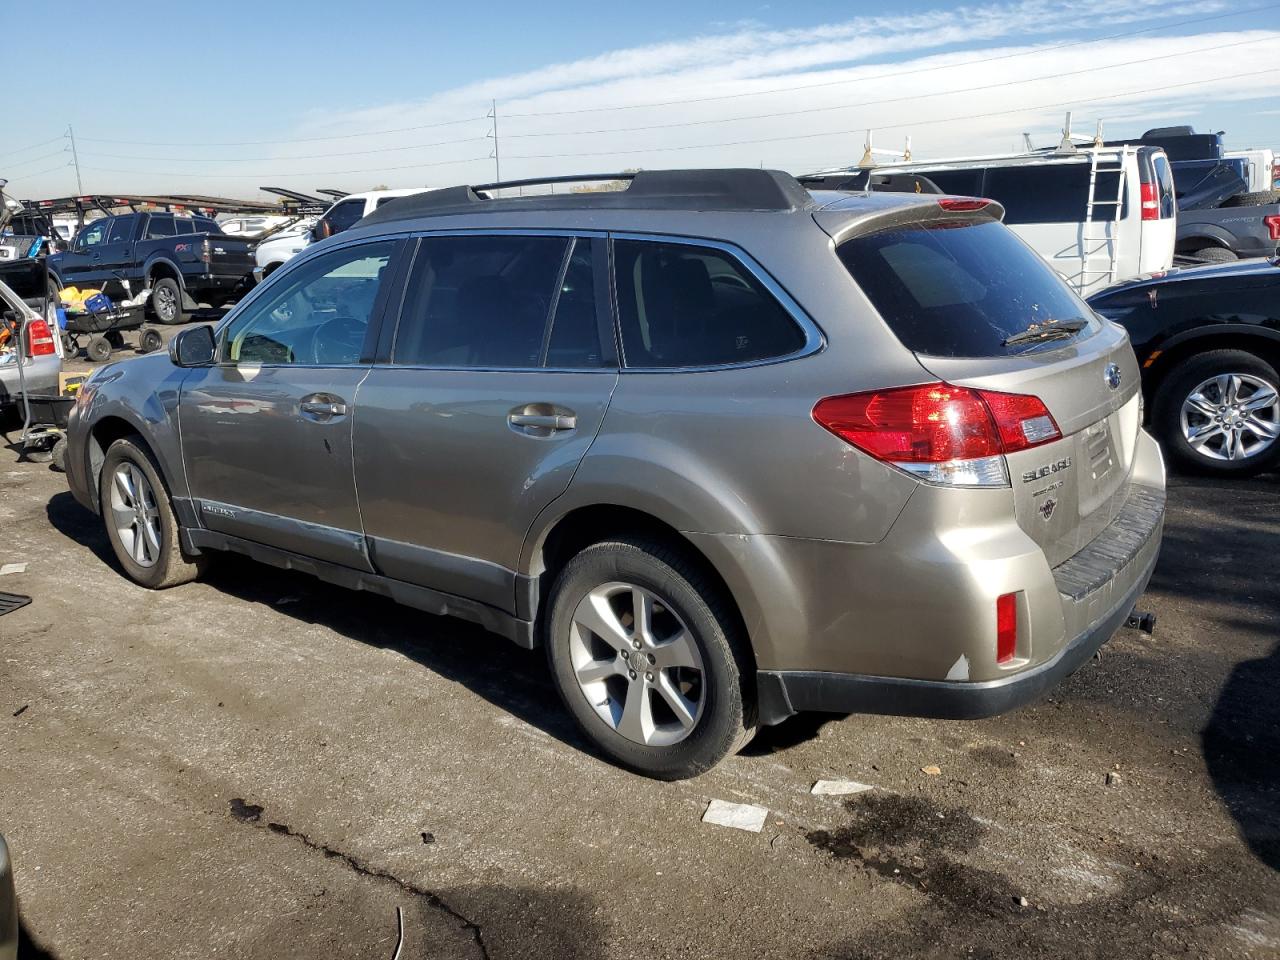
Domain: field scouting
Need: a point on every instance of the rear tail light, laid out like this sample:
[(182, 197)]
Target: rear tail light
[(1150, 202), (939, 432), (1006, 627), (963, 204), (206, 251), (40, 341), (1273, 226)]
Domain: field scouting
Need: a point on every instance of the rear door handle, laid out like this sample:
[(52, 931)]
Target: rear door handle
[(551, 421), (322, 407)]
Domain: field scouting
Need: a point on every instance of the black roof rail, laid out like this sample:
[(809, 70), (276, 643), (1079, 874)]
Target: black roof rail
[(701, 190), (880, 182)]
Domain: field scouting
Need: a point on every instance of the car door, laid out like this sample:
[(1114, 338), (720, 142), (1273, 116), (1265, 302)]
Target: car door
[(80, 264), (116, 253), (266, 431), (493, 387)]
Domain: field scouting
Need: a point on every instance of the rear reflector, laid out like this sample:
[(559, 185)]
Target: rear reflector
[(940, 432), (1150, 205), (40, 339), (963, 204), (1006, 627), (1273, 225)]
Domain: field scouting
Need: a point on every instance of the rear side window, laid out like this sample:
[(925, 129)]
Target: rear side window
[(690, 306), (1053, 193), (160, 225), (1165, 188), (952, 291), (501, 302), (205, 225), (183, 225), (344, 215)]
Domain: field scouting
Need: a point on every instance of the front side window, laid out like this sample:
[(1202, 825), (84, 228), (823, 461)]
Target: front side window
[(93, 234), (121, 229), (318, 313), (504, 302), (690, 306)]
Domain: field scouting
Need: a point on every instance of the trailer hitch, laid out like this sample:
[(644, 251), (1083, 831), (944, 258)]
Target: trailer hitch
[(1141, 620)]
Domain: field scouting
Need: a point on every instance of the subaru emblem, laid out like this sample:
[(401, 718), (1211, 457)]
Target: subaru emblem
[(1113, 376)]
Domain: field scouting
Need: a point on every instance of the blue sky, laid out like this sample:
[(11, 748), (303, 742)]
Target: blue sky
[(224, 98)]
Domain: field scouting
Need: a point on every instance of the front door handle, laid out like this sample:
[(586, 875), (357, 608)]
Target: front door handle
[(541, 419), (322, 407)]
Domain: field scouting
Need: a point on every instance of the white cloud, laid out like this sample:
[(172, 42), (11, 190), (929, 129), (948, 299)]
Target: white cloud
[(819, 87)]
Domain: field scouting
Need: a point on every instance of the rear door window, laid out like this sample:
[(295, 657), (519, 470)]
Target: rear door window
[(499, 302), (950, 291), (160, 225), (692, 306), (121, 229)]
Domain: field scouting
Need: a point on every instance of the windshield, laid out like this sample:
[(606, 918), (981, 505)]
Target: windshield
[(973, 290)]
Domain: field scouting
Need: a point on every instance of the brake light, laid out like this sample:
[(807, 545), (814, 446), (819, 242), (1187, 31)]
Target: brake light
[(963, 204), (1006, 627), (1150, 203), (40, 341), (206, 252), (940, 432), (1273, 226)]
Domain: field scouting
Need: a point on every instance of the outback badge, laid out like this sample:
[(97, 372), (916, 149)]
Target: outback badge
[(1047, 508)]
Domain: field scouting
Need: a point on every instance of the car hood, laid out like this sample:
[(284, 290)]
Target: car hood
[(1216, 271)]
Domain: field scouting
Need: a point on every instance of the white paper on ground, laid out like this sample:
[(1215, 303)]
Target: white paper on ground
[(742, 816), (839, 788), (13, 568)]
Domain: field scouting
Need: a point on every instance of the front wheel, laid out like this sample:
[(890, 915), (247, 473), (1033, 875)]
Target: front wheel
[(648, 657), (140, 521), (1219, 413)]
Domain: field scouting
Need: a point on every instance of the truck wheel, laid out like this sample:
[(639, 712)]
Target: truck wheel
[(1219, 413), (649, 658), (98, 349), (140, 521), (1210, 255), (166, 300), (1253, 199)]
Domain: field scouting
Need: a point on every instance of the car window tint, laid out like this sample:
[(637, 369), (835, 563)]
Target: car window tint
[(93, 234), (1164, 179), (183, 225), (687, 306), (345, 215), (317, 313), (160, 225), (962, 183), (480, 301), (1053, 192), (121, 229), (574, 341), (959, 291)]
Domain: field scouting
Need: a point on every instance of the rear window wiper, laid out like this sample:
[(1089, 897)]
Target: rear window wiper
[(1050, 330)]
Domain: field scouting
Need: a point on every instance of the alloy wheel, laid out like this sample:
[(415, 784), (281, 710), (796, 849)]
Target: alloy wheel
[(637, 664), (136, 514), (1232, 416)]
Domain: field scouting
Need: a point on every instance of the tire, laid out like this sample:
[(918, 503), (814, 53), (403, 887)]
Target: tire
[(714, 685), (1196, 376), (54, 287), (98, 349), (59, 455), (1210, 255), (1252, 199), (159, 562), (70, 346), (149, 341), (166, 301)]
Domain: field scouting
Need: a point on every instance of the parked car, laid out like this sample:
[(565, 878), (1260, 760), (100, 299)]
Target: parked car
[(42, 348), (727, 449), (1208, 340), (1096, 215), (271, 253), (8, 907), (250, 225), (183, 260)]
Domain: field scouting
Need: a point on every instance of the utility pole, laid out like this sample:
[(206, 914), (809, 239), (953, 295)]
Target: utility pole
[(75, 158), (497, 162)]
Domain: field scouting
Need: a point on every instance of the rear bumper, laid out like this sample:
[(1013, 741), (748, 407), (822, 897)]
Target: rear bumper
[(1098, 588), (41, 377)]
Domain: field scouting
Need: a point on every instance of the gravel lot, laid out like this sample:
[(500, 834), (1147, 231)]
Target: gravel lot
[(259, 765)]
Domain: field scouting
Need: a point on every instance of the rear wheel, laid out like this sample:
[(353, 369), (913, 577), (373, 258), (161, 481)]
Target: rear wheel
[(166, 300), (140, 521), (1210, 255), (1219, 413), (647, 656)]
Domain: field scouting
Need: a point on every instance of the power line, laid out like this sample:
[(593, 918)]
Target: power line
[(40, 173), (901, 126), (885, 76), (255, 143), (31, 146), (43, 156), (879, 101), (300, 156), (293, 173)]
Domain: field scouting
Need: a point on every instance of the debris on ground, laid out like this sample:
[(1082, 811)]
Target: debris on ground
[(21, 710), (1113, 779), (1022, 901), (839, 788), (740, 816), (9, 568), (932, 770)]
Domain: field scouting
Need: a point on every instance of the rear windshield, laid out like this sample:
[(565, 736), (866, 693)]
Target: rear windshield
[(960, 291)]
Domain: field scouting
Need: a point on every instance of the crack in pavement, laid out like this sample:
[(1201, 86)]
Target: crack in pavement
[(251, 813)]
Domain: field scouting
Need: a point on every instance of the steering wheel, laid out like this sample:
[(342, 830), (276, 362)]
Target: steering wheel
[(342, 338)]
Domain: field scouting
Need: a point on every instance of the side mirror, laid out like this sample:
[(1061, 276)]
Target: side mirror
[(321, 231), (193, 347)]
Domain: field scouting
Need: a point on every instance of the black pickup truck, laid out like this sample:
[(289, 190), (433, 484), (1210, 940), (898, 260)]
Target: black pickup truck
[(185, 261)]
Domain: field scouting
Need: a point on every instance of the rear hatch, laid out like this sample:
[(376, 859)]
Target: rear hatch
[(981, 310)]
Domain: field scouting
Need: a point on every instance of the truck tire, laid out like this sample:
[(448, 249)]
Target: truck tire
[(1253, 199), (1218, 413), (166, 300), (1209, 255)]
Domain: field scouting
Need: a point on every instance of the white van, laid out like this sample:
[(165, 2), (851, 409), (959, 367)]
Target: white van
[(1098, 215), (343, 214)]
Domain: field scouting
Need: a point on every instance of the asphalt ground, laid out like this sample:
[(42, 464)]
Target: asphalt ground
[(261, 765)]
